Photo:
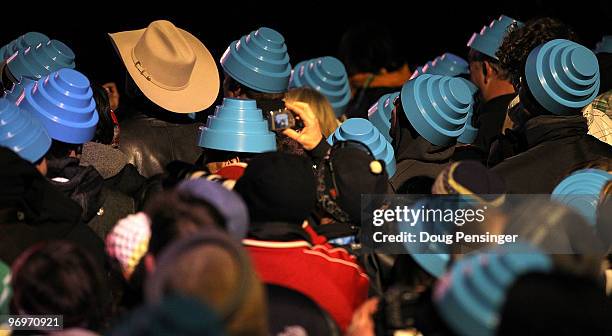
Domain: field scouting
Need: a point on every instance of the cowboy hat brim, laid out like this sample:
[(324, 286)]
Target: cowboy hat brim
[(202, 89)]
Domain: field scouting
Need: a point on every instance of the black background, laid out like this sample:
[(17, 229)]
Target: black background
[(422, 29)]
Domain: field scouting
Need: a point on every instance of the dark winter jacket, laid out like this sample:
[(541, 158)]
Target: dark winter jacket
[(102, 206), (489, 119), (550, 148), (32, 211), (152, 140)]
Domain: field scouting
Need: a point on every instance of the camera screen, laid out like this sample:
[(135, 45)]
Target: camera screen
[(281, 121)]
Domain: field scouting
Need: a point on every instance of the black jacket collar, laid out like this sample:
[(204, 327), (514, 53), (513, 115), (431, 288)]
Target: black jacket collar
[(550, 128), (277, 231)]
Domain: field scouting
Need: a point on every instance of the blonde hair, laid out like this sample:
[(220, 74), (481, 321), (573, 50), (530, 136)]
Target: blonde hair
[(319, 105)]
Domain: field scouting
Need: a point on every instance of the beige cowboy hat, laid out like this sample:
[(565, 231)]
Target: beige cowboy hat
[(170, 66)]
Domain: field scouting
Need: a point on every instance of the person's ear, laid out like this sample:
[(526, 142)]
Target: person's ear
[(42, 167), (149, 263), (488, 71)]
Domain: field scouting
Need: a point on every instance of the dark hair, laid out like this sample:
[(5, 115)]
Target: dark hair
[(369, 47), (60, 149), (477, 56), (601, 163), (517, 45), (60, 278), (234, 85), (214, 155), (105, 130), (174, 215)]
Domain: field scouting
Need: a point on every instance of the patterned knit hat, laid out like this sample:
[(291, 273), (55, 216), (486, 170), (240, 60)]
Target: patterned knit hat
[(128, 242), (228, 203)]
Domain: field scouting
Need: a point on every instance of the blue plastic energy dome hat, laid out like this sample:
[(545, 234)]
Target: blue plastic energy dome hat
[(581, 191), (437, 107), (39, 61), (605, 45), (471, 296), (34, 63), (447, 65), (238, 126), (31, 39), (64, 102), (490, 37), (361, 130), (259, 61), (418, 71), (326, 75), (563, 76), (379, 114), (21, 133)]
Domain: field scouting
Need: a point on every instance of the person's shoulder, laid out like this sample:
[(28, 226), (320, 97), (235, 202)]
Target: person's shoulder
[(520, 162), (135, 120)]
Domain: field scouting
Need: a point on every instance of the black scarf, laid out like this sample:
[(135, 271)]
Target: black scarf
[(277, 231)]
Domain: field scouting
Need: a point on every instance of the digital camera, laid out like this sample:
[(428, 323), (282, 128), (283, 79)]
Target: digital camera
[(282, 119)]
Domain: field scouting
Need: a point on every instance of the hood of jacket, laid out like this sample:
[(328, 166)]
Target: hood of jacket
[(550, 128)]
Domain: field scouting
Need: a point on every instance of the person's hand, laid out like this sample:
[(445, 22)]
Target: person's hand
[(362, 323), (309, 136), (113, 95)]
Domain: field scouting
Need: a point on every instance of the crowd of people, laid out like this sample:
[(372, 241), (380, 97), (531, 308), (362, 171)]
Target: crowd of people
[(124, 214)]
